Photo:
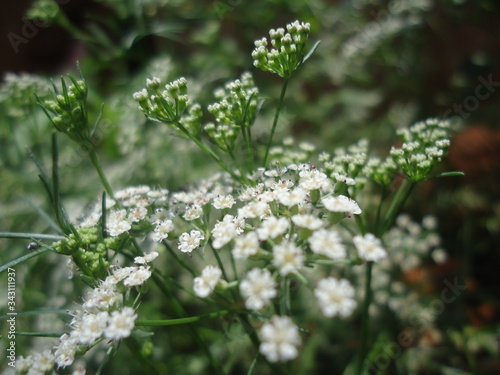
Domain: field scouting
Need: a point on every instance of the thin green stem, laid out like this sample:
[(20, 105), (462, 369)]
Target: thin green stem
[(180, 261), (97, 165), (29, 236), (397, 203), (276, 117), (209, 152), (175, 322), (365, 318)]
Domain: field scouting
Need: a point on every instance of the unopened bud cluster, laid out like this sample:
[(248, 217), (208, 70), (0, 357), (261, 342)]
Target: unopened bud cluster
[(68, 111), (424, 145), (164, 104), (236, 110), (287, 51)]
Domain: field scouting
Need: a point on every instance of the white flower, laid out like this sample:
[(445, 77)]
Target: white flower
[(193, 212), (65, 351), (369, 247), (162, 229), (272, 227), (159, 216), (137, 214), (138, 276), (23, 364), (222, 202), (224, 231), (314, 180), (206, 283), (279, 339), (307, 221), (119, 274), (147, 258), (246, 245), (92, 327), (287, 257), (335, 297), (341, 203), (42, 362), (102, 298), (253, 209), (120, 324), (327, 242), (258, 288), (291, 198), (190, 241), (115, 228)]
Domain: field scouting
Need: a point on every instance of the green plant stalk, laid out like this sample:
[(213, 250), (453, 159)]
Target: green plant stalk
[(364, 319), (275, 121), (175, 322), (97, 165), (208, 151), (29, 236), (397, 203)]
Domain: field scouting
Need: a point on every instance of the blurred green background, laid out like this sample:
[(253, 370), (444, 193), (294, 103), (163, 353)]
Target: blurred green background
[(380, 65)]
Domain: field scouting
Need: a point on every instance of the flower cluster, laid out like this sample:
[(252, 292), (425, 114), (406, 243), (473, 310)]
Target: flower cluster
[(287, 51), (103, 314), (235, 110), (424, 145), (163, 103), (68, 111)]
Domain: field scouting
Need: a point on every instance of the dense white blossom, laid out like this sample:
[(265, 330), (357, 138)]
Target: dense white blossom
[(369, 247), (335, 297), (258, 288), (280, 339), (205, 284)]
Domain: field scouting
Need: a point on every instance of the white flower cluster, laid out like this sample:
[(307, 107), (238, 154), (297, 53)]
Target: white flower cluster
[(287, 50), (103, 314), (236, 109), (424, 145)]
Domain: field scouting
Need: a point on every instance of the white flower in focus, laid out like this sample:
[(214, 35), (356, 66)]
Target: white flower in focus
[(102, 298), (92, 327), (369, 247), (193, 212), (335, 297), (307, 221), (272, 227), (279, 339), (206, 283), (115, 228), (245, 246), (253, 209), (162, 229), (313, 179), (222, 202), (327, 242), (287, 257), (341, 203), (258, 288), (190, 241), (147, 258), (138, 276), (120, 324), (119, 274)]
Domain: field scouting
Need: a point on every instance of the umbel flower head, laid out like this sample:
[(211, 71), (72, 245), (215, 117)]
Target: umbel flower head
[(287, 49), (68, 110), (424, 145), (165, 104)]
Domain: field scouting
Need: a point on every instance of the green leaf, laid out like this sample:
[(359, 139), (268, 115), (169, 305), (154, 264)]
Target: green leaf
[(24, 258), (311, 51)]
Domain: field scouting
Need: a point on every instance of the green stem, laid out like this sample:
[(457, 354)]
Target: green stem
[(174, 322), (209, 152), (397, 203), (179, 260), (364, 318), (29, 236), (275, 121), (97, 165)]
